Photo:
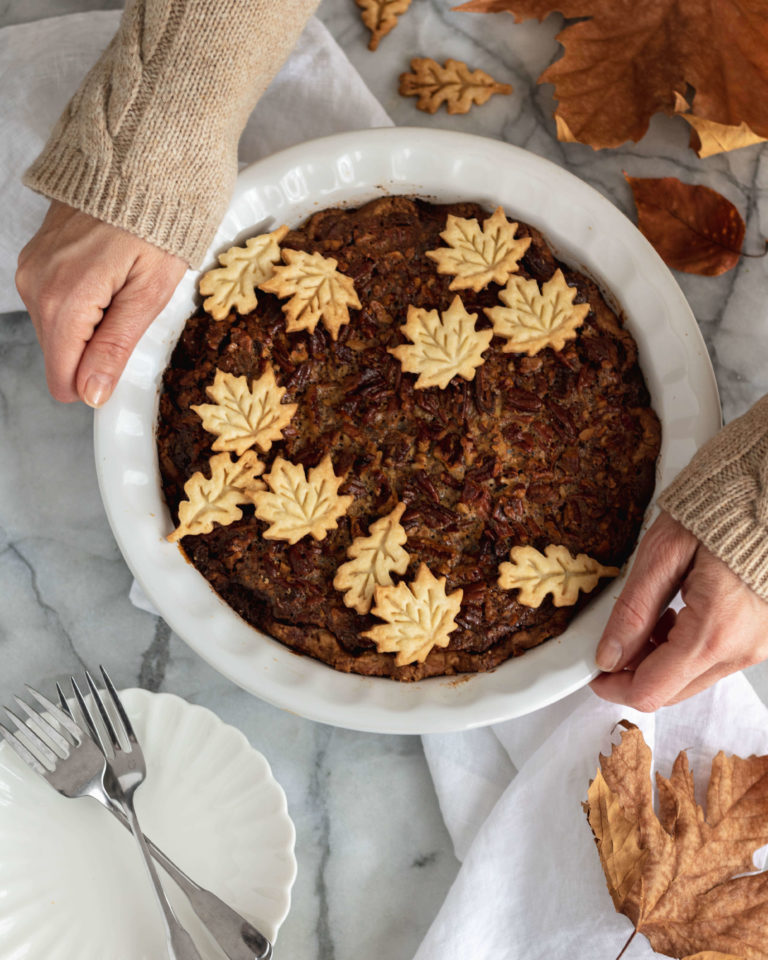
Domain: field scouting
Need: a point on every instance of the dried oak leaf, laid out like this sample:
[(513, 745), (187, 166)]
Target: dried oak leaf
[(555, 571), (243, 416), (380, 16), (232, 286), (419, 616), (531, 320), (441, 349), (372, 561), (684, 878), (454, 84), (317, 291), (216, 499), (478, 256), (297, 505), (624, 61), (693, 228)]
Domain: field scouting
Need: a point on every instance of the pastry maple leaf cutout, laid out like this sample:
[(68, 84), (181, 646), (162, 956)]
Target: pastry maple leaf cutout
[(419, 616), (675, 874), (232, 286), (380, 16), (616, 73), (555, 571), (297, 505), (317, 290), (454, 84), (441, 349), (478, 256), (372, 561), (217, 499), (692, 227), (243, 417), (532, 320)]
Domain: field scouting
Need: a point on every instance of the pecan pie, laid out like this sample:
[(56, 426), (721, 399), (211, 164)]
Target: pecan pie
[(552, 445)]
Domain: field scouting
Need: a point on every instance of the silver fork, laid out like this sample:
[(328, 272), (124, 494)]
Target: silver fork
[(57, 748), (125, 772)]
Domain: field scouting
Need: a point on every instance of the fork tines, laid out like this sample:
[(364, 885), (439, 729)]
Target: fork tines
[(43, 738)]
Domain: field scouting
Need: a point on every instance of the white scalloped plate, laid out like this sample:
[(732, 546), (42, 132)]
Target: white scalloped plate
[(72, 885), (585, 230)]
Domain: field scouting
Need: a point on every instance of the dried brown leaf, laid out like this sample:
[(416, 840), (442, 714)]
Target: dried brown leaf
[(692, 227), (685, 879), (625, 61)]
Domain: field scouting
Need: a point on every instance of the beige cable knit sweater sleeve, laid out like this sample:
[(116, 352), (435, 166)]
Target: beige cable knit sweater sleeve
[(722, 496), (149, 141)]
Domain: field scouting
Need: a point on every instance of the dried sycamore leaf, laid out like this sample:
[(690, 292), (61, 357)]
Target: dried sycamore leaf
[(418, 617), (709, 138), (372, 561), (243, 416), (298, 504), (317, 291), (454, 84), (232, 286), (618, 69), (216, 499), (380, 16), (478, 256), (676, 874), (693, 228), (555, 571), (532, 320), (441, 349)]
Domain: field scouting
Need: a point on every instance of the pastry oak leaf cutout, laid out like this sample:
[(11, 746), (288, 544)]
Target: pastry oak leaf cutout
[(380, 16), (317, 291), (419, 616), (217, 499), (372, 561), (532, 319), (298, 504), (441, 349), (684, 878), (479, 255), (454, 84), (555, 571), (245, 416), (232, 286)]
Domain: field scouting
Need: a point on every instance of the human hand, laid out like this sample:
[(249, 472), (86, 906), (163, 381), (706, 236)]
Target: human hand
[(91, 290), (656, 656)]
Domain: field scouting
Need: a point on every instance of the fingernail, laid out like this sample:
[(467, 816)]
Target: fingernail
[(608, 655), (98, 387)]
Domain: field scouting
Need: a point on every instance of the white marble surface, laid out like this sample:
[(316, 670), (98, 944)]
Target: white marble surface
[(375, 860)]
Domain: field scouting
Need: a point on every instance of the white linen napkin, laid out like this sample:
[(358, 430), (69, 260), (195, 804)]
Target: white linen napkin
[(318, 92), (530, 885)]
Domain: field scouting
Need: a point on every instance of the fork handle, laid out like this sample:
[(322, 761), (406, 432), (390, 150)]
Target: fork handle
[(238, 938), (180, 945)]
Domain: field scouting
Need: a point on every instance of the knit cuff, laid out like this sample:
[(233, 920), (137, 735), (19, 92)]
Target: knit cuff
[(177, 223), (722, 497)]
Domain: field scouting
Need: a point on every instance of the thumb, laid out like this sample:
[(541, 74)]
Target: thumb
[(663, 557), (147, 289)]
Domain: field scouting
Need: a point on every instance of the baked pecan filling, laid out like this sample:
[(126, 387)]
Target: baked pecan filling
[(554, 448)]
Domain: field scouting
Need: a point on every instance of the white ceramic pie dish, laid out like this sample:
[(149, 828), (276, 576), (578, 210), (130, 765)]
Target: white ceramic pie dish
[(585, 230)]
